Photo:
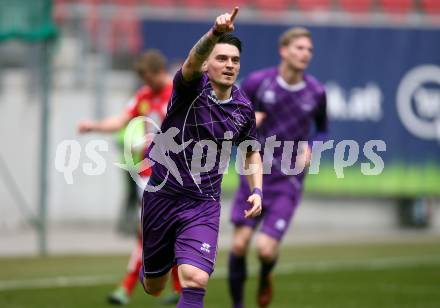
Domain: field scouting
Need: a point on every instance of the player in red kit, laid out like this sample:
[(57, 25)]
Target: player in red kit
[(150, 100)]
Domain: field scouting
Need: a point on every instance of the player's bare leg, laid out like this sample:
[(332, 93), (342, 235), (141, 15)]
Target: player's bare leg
[(237, 264), (173, 298), (154, 286), (193, 281), (268, 253)]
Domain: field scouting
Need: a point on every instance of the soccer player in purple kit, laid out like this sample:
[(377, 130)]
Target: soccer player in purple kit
[(288, 104), (180, 219)]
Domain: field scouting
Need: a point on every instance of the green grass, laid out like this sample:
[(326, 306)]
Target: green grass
[(357, 275), (396, 180)]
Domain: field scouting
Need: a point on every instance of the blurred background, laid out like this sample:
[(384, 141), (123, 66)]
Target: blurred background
[(62, 61)]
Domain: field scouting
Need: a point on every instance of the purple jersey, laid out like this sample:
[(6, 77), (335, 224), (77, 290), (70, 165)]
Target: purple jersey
[(291, 110), (198, 115)]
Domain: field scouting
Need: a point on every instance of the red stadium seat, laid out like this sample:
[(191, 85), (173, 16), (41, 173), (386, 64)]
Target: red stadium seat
[(120, 3), (230, 4), (160, 3), (430, 6), (123, 2), (60, 10), (194, 4), (396, 6), (356, 5), (272, 5), (309, 5), (124, 27)]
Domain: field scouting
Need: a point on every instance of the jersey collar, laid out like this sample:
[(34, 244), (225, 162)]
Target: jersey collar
[(290, 87)]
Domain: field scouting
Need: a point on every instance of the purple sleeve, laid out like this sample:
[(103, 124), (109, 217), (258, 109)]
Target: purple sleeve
[(184, 92), (181, 86), (250, 87), (249, 132)]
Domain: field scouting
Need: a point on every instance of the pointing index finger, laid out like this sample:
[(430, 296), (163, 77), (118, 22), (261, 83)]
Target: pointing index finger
[(234, 13)]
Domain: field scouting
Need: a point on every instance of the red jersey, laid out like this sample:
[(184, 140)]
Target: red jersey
[(148, 103), (151, 104)]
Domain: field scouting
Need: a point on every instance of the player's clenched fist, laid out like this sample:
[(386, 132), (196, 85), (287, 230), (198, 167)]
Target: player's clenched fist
[(225, 23)]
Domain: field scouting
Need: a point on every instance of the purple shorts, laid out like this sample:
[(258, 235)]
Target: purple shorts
[(178, 230), (280, 202)]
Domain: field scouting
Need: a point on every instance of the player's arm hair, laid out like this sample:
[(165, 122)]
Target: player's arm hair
[(255, 180), (192, 67)]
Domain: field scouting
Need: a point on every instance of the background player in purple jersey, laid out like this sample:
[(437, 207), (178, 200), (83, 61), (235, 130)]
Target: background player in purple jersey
[(288, 103), (181, 219)]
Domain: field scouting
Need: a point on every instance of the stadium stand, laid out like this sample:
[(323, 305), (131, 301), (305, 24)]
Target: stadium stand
[(356, 6), (273, 5), (396, 6), (430, 6), (310, 5), (196, 4), (160, 3), (227, 4)]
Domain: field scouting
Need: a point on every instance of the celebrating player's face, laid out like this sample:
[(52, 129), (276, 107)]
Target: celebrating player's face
[(223, 64), (298, 53)]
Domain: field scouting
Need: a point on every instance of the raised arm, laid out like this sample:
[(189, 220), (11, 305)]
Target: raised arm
[(192, 67)]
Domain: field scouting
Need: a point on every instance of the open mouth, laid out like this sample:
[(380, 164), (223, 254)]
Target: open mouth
[(230, 74)]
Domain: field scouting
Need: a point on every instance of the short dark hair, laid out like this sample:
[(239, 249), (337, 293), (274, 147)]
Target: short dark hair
[(230, 39)]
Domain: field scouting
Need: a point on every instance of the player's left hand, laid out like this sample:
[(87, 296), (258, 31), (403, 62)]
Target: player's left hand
[(255, 201)]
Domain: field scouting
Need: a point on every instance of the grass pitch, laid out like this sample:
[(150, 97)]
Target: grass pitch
[(357, 275)]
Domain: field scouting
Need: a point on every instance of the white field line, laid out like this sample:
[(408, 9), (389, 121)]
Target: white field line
[(56, 282), (221, 272), (331, 266)]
